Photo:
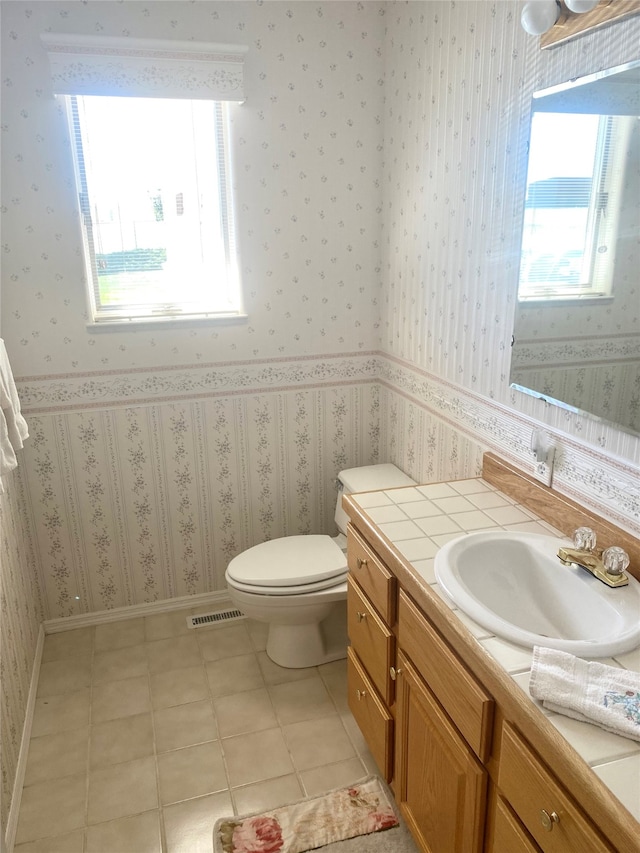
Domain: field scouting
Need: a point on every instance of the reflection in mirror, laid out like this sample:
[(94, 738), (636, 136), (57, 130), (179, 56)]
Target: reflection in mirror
[(577, 327)]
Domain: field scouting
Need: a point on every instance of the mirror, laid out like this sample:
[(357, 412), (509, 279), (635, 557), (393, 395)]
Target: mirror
[(577, 324)]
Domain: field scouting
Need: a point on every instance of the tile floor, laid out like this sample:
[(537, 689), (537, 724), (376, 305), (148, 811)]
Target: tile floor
[(145, 732)]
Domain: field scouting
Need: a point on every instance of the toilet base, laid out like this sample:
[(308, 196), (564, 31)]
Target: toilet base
[(299, 646)]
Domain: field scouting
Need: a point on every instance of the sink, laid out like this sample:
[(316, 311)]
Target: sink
[(514, 585)]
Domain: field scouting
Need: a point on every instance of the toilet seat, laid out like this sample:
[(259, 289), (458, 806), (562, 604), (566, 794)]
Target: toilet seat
[(288, 566)]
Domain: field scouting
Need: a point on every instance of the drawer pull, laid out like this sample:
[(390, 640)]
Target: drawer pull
[(360, 562), (361, 695), (549, 820), (394, 673), (360, 616)]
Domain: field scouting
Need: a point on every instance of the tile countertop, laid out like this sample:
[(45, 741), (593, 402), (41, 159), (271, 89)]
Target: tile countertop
[(418, 521)]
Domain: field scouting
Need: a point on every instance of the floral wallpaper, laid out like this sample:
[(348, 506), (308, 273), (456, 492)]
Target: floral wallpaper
[(140, 504), (380, 164), (21, 612)]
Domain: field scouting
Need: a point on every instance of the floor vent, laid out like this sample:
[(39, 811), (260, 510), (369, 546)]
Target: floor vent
[(220, 617)]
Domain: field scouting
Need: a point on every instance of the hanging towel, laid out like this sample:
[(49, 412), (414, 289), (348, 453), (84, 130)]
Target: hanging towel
[(13, 427), (587, 691)]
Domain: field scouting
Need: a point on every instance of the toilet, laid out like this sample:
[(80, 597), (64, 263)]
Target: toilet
[(298, 584)]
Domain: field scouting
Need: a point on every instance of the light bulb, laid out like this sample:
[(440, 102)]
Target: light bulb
[(538, 16), (580, 6)]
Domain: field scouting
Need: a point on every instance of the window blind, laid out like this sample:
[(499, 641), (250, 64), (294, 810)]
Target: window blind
[(144, 68)]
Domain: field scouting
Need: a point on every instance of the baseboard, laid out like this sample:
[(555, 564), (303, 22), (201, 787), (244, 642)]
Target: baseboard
[(16, 797), (217, 600)]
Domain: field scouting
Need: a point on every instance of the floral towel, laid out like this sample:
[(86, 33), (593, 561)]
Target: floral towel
[(588, 691), (358, 810)]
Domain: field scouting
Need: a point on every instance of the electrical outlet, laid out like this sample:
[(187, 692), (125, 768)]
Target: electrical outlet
[(544, 453), (543, 471)]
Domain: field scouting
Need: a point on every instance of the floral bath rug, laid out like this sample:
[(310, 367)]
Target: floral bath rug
[(360, 809)]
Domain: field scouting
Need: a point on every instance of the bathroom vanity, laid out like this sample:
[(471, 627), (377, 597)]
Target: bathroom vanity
[(474, 762)]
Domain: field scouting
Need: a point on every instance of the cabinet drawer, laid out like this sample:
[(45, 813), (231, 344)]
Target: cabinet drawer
[(373, 718), (372, 575), (371, 639), (508, 835), (468, 705), (534, 794)]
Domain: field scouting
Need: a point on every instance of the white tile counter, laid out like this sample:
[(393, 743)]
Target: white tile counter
[(418, 521)]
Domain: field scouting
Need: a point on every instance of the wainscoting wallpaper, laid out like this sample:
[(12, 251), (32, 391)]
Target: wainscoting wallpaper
[(148, 503), (21, 612), (380, 166)]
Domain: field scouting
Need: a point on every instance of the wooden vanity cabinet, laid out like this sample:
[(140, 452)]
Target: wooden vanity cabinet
[(464, 776), (440, 785)]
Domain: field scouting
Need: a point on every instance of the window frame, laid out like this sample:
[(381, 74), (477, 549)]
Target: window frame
[(103, 318)]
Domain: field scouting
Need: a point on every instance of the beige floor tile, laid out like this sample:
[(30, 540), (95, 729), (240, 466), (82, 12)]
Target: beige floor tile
[(258, 631), (334, 676), (189, 826), (251, 711), (191, 772), (122, 789), (173, 653), (317, 742), (120, 740), (301, 700), (116, 699), (184, 725), (137, 834), (61, 713), (274, 674), (179, 686), (52, 808), (355, 735), (321, 779), (118, 664), (64, 676), (68, 644), (256, 757), (164, 625), (267, 795), (218, 643), (118, 635), (234, 675), (57, 755), (71, 842)]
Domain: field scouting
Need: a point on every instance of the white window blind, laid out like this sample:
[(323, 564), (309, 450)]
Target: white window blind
[(149, 127), (144, 68)]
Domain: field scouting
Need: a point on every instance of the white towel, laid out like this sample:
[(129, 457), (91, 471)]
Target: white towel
[(587, 691), (13, 427)]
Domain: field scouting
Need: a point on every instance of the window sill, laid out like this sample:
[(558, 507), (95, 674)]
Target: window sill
[(153, 323)]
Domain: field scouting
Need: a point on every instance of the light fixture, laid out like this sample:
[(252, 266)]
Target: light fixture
[(580, 6), (538, 16)]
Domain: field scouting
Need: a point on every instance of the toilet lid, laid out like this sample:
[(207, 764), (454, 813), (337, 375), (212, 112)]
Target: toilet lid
[(289, 561)]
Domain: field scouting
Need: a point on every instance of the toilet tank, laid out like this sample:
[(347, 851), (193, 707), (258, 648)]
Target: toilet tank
[(369, 478)]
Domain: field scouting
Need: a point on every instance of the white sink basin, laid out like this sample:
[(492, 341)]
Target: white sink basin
[(514, 585)]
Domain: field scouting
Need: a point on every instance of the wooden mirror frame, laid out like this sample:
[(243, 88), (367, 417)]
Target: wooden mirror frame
[(569, 25)]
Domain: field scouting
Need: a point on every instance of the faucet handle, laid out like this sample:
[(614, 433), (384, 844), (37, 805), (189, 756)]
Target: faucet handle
[(615, 560), (584, 539)]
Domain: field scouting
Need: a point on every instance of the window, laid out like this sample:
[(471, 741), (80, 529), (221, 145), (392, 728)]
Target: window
[(149, 125), (153, 177), (572, 206)]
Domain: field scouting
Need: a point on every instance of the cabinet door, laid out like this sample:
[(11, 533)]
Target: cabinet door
[(440, 785)]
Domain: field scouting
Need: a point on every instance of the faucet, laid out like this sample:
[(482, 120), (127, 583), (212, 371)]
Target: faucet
[(608, 566)]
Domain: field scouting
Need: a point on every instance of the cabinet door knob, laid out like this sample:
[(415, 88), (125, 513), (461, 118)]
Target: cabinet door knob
[(360, 562), (549, 820), (361, 694), (360, 616), (394, 673)]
